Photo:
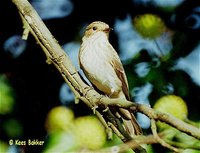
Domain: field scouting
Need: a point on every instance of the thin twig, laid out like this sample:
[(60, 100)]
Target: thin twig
[(159, 140)]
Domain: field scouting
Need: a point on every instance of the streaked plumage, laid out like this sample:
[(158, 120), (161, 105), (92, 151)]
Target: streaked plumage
[(102, 66)]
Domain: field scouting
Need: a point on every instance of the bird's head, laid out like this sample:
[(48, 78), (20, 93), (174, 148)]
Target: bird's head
[(96, 27)]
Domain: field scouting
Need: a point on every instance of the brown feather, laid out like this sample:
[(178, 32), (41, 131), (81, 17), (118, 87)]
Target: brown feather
[(131, 124), (117, 65), (97, 51), (119, 70)]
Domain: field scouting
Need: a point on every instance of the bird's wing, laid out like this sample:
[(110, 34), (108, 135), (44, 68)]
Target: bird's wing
[(117, 65), (128, 118)]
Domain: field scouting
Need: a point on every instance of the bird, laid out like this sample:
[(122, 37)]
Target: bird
[(103, 68)]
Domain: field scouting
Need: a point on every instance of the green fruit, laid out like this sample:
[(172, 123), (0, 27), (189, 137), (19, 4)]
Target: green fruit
[(3, 146), (149, 25), (13, 132), (59, 118), (173, 105), (6, 96), (90, 132)]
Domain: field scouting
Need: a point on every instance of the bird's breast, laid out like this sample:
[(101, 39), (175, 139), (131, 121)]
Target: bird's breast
[(93, 57), (95, 62)]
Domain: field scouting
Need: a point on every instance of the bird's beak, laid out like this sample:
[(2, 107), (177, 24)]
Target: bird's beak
[(107, 29)]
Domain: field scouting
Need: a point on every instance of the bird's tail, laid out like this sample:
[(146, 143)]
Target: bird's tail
[(130, 123), (131, 127)]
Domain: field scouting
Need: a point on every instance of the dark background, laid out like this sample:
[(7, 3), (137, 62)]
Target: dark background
[(36, 84)]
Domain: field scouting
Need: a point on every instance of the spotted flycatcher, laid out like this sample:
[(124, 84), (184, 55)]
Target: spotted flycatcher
[(102, 66)]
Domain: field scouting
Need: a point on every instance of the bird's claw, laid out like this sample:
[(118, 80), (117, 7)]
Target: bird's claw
[(106, 109)]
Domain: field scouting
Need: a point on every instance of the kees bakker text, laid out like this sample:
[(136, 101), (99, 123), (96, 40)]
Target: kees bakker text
[(33, 142)]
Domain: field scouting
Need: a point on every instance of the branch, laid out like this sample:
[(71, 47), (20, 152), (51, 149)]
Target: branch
[(151, 113), (158, 139), (121, 148), (56, 55)]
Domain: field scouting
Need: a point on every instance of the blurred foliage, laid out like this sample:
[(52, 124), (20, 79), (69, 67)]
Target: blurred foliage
[(30, 107), (149, 25), (61, 141), (13, 128), (82, 133), (3, 146), (173, 105), (59, 118), (6, 96), (90, 132)]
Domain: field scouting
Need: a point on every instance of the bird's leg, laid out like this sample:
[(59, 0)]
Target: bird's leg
[(106, 109)]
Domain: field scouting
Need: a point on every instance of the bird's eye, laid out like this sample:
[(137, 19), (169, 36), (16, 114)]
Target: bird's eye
[(94, 28)]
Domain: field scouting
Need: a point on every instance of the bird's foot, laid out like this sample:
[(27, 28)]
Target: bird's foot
[(106, 109)]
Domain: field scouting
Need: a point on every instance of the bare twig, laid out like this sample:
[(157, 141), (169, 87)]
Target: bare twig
[(183, 145), (121, 148), (169, 119), (159, 140), (153, 114)]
